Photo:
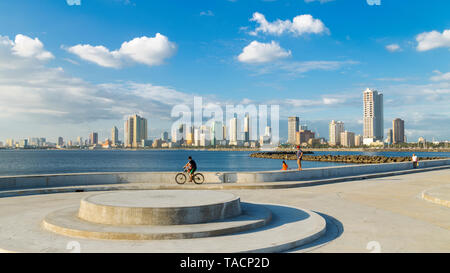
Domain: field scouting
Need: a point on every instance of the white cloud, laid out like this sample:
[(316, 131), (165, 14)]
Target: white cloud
[(302, 67), (27, 47), (97, 54), (149, 51), (32, 92), (440, 76), (206, 13), (257, 52), (434, 39), (393, 47), (321, 1), (300, 25), (73, 2)]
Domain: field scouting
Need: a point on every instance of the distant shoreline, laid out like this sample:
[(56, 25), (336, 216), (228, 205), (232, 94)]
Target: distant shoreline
[(412, 150)]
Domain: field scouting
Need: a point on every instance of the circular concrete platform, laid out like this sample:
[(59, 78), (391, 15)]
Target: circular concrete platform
[(66, 222), (50, 223), (159, 207)]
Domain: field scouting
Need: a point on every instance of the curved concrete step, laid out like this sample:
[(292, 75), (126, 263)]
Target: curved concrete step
[(66, 222), (438, 195), (290, 227)]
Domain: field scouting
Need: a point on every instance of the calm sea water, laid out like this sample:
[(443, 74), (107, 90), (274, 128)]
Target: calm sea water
[(17, 162)]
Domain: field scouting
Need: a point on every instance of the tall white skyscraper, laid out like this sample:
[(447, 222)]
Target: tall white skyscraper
[(336, 128), (373, 116), (234, 126), (293, 126)]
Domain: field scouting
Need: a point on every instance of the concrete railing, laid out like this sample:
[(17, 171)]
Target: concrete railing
[(77, 179), (327, 172)]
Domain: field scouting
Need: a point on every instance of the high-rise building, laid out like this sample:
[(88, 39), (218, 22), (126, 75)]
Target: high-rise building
[(336, 128), (80, 141), (389, 139), (268, 131), (93, 138), (358, 140), (216, 132), (372, 116), (234, 126), (114, 136), (60, 141), (135, 131), (246, 128), (164, 136), (293, 123), (398, 131), (348, 139), (23, 143)]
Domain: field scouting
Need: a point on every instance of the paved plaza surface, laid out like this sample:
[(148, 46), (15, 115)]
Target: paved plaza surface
[(381, 214)]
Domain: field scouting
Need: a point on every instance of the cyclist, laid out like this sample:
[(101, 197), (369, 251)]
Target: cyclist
[(191, 167)]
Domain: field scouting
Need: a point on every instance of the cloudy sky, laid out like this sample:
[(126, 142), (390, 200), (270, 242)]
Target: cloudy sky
[(69, 67)]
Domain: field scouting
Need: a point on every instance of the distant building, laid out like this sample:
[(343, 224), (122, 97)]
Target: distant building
[(246, 137), (398, 131), (216, 132), (157, 143), (114, 136), (372, 116), (135, 131), (335, 130), (293, 127), (60, 141), (80, 141), (10, 143), (389, 138), (358, 140), (164, 136), (303, 136), (93, 138), (234, 126), (347, 139), (178, 133), (23, 143)]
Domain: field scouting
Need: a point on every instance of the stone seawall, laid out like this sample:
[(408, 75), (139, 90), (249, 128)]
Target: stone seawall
[(356, 159)]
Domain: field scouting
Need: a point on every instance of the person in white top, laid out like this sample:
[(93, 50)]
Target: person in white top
[(415, 161)]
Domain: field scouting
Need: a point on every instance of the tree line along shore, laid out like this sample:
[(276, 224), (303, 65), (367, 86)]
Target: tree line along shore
[(357, 159)]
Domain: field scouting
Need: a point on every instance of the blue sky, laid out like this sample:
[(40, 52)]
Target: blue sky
[(313, 58)]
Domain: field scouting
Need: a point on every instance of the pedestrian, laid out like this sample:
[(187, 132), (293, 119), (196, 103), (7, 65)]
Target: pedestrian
[(415, 161), (299, 158)]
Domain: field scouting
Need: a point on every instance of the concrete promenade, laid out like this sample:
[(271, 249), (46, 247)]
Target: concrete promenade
[(386, 214)]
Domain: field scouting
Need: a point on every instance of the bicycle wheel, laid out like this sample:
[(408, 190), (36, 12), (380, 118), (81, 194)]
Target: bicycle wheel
[(199, 178), (180, 178)]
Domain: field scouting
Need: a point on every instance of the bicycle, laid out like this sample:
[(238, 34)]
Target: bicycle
[(181, 178)]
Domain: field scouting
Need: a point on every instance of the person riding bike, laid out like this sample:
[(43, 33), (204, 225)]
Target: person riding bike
[(191, 168)]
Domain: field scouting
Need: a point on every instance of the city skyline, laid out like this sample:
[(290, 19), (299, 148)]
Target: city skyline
[(56, 82)]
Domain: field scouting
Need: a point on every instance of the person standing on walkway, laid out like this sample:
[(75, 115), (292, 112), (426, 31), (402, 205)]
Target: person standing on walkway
[(299, 158), (415, 161)]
